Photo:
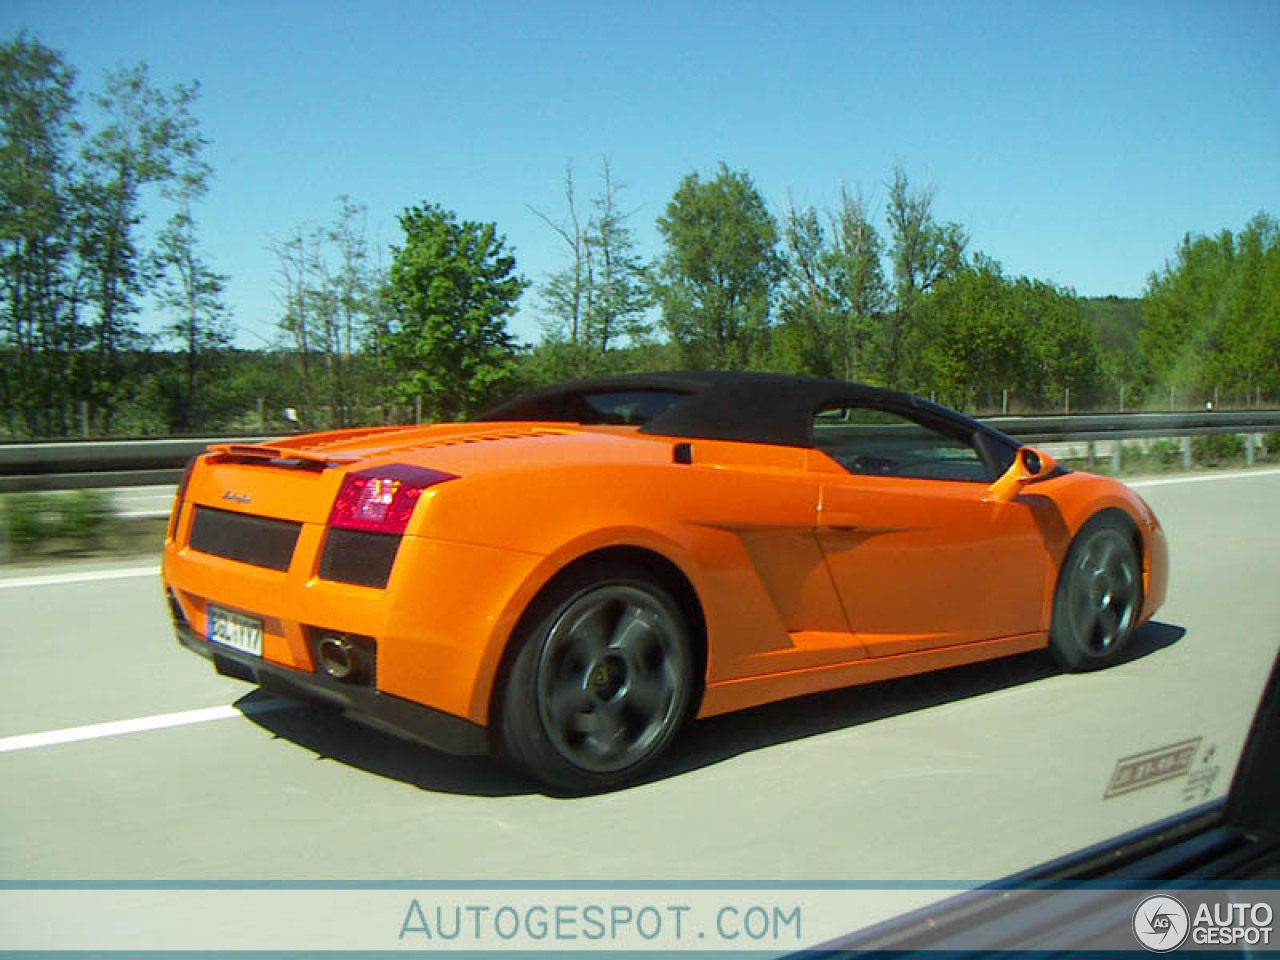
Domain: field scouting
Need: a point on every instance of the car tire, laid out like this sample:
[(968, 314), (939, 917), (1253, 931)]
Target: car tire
[(1098, 600), (601, 681)]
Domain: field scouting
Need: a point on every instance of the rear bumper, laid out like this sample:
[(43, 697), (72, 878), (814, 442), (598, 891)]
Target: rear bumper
[(404, 718)]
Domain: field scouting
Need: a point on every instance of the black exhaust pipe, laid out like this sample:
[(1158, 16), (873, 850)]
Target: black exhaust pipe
[(337, 657), (345, 657)]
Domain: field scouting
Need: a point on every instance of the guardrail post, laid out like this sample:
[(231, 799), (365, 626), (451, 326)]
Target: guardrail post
[(1092, 454), (1117, 456), (1186, 453), (1249, 440)]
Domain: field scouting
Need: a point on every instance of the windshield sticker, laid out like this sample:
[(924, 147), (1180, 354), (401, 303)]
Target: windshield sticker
[(1201, 778), (1152, 767)]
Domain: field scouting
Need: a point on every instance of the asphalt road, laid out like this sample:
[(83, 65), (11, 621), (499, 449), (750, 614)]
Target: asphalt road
[(965, 776)]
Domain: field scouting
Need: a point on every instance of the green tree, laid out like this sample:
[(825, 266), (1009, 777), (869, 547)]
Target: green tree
[(188, 289), (200, 326), (1246, 359), (979, 332), (621, 287), (923, 252), (452, 286), (297, 263), (807, 338), (859, 276), (1115, 322), (149, 133), (1064, 363), (719, 270), (351, 307), (566, 295), (40, 334), (599, 301), (330, 290), (1211, 316), (968, 340), (834, 294), (1183, 310)]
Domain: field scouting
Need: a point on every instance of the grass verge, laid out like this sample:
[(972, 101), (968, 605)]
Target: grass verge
[(38, 527)]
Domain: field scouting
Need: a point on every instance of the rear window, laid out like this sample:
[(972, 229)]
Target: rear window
[(629, 407)]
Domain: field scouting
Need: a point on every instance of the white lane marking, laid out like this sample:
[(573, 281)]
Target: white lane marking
[(1205, 478), (83, 576), (120, 728)]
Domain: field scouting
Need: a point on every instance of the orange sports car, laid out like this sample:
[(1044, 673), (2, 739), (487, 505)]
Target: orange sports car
[(567, 579)]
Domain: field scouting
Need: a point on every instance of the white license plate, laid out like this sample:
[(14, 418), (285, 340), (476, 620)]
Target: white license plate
[(233, 630)]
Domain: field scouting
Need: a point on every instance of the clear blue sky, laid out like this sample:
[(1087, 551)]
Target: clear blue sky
[(1076, 141)]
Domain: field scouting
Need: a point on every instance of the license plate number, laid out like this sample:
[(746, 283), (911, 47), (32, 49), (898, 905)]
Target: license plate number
[(236, 631)]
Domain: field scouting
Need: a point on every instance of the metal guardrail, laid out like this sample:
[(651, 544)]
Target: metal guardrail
[(1114, 429), (59, 465), (62, 465), (1136, 426)]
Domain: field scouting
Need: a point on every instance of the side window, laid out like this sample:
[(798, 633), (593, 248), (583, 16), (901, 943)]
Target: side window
[(867, 440)]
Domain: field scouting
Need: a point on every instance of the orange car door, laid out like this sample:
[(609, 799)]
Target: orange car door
[(919, 558)]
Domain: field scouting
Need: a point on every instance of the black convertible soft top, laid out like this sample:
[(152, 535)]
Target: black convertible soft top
[(720, 405)]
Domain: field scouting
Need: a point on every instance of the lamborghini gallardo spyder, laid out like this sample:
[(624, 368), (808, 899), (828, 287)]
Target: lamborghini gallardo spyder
[(567, 579)]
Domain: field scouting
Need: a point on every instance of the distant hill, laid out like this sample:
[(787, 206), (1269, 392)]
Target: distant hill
[(1117, 320)]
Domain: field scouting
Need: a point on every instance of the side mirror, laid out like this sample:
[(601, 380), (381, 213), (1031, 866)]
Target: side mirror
[(1030, 464)]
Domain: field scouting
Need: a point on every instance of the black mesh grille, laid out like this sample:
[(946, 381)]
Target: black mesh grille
[(259, 541), (359, 557)]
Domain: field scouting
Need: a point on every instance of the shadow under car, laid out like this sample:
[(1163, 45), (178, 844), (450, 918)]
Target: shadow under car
[(330, 735)]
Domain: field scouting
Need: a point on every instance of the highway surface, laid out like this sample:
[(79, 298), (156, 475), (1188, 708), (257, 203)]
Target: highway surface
[(124, 757)]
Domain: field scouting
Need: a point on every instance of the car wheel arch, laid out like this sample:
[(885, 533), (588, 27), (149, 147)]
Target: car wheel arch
[(1120, 520), (644, 561), (1120, 516)]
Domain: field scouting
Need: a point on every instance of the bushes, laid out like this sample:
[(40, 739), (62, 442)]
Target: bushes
[(1164, 453), (1217, 448), (1156, 456), (74, 520), (1271, 446)]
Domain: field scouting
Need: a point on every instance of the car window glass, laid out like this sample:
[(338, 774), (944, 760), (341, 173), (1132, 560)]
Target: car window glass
[(866, 440), (628, 406)]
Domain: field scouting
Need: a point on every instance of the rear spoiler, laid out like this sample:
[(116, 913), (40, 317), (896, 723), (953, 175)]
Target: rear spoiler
[(276, 455)]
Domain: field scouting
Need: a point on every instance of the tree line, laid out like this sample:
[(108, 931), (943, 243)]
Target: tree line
[(894, 297)]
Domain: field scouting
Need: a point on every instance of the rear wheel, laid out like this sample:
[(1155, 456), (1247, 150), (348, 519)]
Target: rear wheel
[(1099, 597), (601, 681)]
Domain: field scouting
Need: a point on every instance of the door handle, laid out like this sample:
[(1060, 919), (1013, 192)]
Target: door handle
[(837, 520)]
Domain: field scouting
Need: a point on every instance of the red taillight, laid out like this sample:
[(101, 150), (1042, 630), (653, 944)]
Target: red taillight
[(381, 500)]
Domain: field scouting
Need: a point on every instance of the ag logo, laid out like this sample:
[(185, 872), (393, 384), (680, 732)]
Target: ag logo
[(1161, 923)]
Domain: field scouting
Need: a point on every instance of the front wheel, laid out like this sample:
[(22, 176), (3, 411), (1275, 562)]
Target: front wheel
[(600, 684), (1099, 597)]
